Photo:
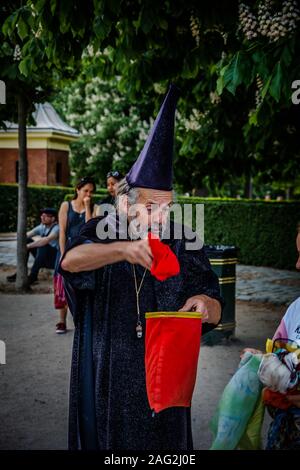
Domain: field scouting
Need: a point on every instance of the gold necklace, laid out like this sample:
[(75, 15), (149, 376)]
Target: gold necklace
[(139, 328)]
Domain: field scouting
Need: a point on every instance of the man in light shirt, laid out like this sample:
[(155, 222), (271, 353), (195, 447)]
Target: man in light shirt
[(45, 248)]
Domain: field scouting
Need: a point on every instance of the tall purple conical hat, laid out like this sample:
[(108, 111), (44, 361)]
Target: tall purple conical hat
[(154, 167)]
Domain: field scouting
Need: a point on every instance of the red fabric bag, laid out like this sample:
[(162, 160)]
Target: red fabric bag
[(171, 358), (60, 300)]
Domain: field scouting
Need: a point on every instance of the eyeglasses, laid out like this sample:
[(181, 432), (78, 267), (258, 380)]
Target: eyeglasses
[(114, 174)]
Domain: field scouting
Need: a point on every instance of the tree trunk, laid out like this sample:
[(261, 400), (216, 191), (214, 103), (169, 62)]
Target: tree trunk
[(22, 278), (288, 193), (248, 190)]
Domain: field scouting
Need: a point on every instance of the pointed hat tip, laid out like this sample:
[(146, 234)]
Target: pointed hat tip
[(174, 90), (153, 168)]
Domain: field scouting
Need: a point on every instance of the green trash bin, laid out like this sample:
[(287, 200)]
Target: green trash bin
[(223, 261)]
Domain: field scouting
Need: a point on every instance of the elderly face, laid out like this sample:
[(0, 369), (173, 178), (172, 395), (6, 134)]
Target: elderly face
[(298, 250), (151, 211)]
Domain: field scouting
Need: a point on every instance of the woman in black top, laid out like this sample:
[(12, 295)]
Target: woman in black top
[(72, 216)]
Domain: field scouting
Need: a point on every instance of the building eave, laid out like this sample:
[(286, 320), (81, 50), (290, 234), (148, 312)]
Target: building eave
[(38, 139)]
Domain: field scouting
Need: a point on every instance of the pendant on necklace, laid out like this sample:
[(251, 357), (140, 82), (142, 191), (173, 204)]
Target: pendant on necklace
[(139, 330)]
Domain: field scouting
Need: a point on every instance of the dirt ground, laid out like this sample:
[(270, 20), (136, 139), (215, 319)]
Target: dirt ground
[(34, 381)]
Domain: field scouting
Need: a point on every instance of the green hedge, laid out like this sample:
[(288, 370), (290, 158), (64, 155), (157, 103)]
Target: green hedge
[(38, 197), (263, 231)]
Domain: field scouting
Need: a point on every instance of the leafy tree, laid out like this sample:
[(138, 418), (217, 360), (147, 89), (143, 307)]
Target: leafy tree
[(245, 55), (267, 62), (31, 70), (21, 94), (235, 66)]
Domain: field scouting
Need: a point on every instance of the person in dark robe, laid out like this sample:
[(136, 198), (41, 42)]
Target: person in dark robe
[(109, 288)]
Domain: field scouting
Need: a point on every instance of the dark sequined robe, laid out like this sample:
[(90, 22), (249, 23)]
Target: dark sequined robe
[(109, 409)]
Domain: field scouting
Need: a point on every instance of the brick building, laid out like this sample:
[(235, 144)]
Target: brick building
[(47, 146)]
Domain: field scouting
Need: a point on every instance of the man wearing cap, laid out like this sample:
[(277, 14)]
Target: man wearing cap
[(109, 288), (45, 248)]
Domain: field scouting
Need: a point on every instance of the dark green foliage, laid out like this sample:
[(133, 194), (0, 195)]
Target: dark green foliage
[(263, 231), (38, 197)]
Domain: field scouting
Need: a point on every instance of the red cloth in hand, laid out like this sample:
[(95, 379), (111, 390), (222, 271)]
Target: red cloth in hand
[(165, 263)]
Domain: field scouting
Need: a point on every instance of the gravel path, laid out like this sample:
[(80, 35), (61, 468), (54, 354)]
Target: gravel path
[(34, 381)]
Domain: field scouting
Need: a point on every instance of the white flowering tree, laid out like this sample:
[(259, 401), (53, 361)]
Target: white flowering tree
[(31, 70), (113, 128)]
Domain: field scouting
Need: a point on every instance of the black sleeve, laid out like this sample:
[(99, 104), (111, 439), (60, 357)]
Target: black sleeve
[(80, 286), (85, 279), (89, 229)]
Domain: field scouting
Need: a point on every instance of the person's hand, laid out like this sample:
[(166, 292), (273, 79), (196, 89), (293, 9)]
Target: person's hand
[(294, 399), (139, 252), (86, 201), (210, 308), (251, 350)]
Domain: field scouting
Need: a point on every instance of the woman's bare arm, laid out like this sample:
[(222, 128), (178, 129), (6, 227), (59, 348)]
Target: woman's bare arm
[(88, 211), (62, 220), (96, 210)]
